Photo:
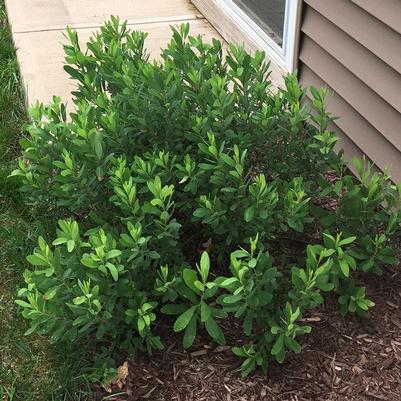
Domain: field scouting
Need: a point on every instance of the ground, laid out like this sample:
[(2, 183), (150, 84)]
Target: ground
[(347, 359)]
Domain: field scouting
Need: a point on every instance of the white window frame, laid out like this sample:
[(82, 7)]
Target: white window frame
[(283, 56)]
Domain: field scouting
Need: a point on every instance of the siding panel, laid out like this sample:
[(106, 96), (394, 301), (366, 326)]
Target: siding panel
[(356, 93), (379, 38), (382, 152), (387, 11), (358, 56), (347, 51)]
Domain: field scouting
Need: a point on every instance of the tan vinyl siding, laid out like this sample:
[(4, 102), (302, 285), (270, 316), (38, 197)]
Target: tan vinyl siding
[(387, 11), (354, 48), (380, 39)]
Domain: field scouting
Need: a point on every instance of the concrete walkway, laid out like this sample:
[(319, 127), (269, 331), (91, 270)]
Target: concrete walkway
[(38, 27)]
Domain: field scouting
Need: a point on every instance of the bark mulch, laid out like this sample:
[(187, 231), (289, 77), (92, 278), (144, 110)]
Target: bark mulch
[(342, 359)]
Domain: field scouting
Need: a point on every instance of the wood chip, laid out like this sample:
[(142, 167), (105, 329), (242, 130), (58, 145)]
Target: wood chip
[(347, 359), (386, 364), (392, 305), (198, 353), (311, 319)]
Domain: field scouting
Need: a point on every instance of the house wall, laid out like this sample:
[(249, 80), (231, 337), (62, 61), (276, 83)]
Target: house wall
[(354, 48)]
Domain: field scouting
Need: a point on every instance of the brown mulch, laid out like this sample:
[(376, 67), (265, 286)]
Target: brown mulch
[(342, 359)]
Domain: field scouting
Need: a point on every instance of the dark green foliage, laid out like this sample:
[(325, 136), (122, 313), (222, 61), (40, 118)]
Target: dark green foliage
[(194, 158)]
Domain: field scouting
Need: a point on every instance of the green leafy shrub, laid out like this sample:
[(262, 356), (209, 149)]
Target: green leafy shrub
[(186, 181)]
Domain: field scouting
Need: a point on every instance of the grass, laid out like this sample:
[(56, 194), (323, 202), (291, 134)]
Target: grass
[(30, 366), (12, 110), (31, 369)]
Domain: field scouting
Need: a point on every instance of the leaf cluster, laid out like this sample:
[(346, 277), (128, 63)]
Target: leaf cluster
[(187, 180)]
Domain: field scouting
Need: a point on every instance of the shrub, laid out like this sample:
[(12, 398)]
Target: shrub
[(187, 180)]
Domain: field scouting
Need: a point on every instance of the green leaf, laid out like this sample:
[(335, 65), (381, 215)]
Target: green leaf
[(113, 254), (230, 299), (204, 266), (187, 293), (201, 212), (130, 313), (80, 320), (358, 164), (248, 322), (31, 330), (239, 351), (72, 72), (252, 263), (113, 271), (214, 330), (88, 262), (228, 281), (205, 311), (337, 187), (59, 241), (141, 324), (184, 319), (352, 306), (249, 214), (326, 286), (278, 345), (190, 276), (344, 267), (153, 255), (363, 304), (174, 309), (190, 332), (199, 286), (293, 345), (295, 224), (36, 260), (70, 245), (328, 220), (50, 294), (79, 300), (23, 304), (247, 367), (228, 160), (98, 146), (75, 230), (347, 241), (315, 92), (100, 331)]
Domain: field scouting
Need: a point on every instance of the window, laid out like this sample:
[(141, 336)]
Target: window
[(268, 15), (271, 25)]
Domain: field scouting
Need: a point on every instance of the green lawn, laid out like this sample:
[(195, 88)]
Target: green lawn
[(31, 369)]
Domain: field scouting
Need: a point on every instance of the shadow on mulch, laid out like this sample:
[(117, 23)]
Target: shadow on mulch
[(342, 359)]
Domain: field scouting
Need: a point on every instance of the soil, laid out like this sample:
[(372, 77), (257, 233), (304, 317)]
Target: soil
[(342, 359)]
